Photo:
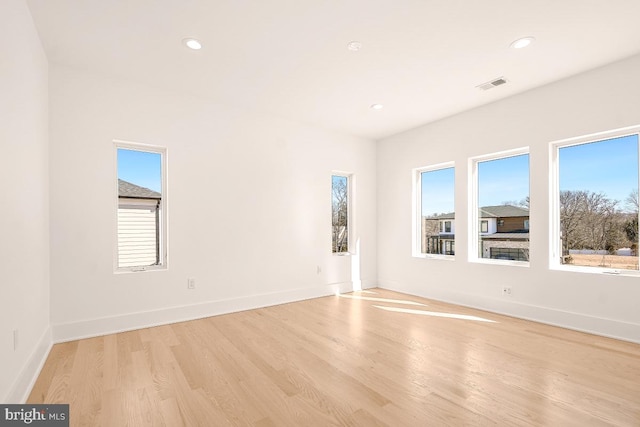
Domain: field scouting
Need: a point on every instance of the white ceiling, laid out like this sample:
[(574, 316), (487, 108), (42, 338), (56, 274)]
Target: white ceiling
[(422, 59)]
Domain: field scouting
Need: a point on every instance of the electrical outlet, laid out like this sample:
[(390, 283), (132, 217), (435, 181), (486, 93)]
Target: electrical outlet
[(506, 291), (319, 270), (191, 283), (15, 339)]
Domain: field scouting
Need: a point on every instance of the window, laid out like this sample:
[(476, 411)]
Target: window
[(434, 217), (595, 206), (500, 207), (141, 218), (340, 213)]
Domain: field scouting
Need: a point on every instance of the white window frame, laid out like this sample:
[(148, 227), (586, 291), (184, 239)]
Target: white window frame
[(473, 218), (555, 249), (351, 226), (417, 210), (163, 210)]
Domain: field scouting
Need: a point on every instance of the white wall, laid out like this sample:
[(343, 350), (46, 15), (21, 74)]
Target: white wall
[(24, 212), (249, 206), (599, 100)]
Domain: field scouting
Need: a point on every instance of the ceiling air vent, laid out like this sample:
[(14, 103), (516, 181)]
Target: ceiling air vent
[(493, 83)]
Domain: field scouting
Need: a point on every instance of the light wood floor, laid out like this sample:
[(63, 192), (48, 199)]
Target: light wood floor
[(364, 359)]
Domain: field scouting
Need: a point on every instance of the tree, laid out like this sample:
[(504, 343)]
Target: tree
[(632, 201), (523, 203), (340, 215), (631, 230), (430, 230), (590, 220), (572, 213), (601, 226)]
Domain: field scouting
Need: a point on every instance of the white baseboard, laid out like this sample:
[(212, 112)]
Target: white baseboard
[(610, 328), (113, 324), (21, 387)]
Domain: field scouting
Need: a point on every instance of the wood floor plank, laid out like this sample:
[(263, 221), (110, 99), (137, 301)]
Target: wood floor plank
[(371, 358), (52, 385), (85, 384), (171, 413)]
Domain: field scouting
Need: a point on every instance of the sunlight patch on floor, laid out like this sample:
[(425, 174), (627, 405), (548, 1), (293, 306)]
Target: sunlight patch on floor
[(375, 299), (434, 314)]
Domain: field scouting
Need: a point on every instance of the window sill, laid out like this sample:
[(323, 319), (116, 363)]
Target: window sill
[(594, 270), (435, 256), (492, 261), (128, 270), (342, 254)]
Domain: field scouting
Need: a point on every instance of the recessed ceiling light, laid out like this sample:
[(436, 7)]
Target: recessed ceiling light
[(192, 44), (376, 106), (523, 42), (354, 46)]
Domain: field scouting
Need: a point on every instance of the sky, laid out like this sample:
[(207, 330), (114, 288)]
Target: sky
[(140, 168), (503, 180), (608, 166), (438, 188), (335, 181)]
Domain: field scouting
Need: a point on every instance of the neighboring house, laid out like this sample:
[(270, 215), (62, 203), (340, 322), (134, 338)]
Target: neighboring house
[(138, 225), (444, 241), (504, 233)]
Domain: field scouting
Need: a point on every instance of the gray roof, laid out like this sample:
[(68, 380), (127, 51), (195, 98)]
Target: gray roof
[(132, 191), (501, 211), (450, 215)]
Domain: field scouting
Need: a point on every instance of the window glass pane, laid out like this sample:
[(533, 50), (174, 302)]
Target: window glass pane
[(139, 208), (340, 213), (598, 183), (437, 231), (503, 208)]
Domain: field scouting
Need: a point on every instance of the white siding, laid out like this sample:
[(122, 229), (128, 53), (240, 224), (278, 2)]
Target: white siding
[(493, 225), (137, 236)]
